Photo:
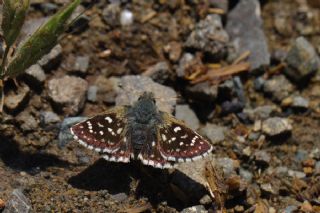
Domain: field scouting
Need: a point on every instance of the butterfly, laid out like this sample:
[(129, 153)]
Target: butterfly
[(141, 132)]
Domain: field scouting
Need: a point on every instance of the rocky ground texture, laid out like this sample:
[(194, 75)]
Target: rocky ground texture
[(245, 74)]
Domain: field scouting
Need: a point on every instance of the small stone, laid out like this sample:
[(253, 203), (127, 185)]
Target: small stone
[(246, 175), (48, 8), (205, 200), (2, 204), (268, 188), (185, 113), (81, 64), (297, 174), (259, 83), (276, 126), (27, 122), (194, 209), (239, 208), (234, 106), (18, 203), (209, 36), (300, 102), (306, 207), (107, 89), (16, 100), (281, 170), (260, 112), (278, 87), (185, 62), (133, 86), (204, 91), (174, 50), (302, 61), (257, 125), (222, 4), (35, 75), (52, 59), (92, 93), (126, 18), (83, 158), (48, 117), (262, 157), (317, 167), (227, 165), (160, 72), (308, 170), (119, 197), (244, 26), (111, 14), (301, 155), (68, 93), (65, 135), (79, 20), (290, 209), (214, 132)]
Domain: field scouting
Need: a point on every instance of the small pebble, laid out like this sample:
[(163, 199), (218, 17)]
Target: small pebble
[(126, 18), (194, 209), (276, 126), (296, 174)]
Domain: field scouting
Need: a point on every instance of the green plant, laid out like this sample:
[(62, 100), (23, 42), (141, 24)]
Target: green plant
[(36, 46)]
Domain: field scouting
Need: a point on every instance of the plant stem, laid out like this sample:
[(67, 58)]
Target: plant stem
[(4, 60)]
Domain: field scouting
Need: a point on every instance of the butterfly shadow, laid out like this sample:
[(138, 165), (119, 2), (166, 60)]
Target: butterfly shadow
[(104, 175), (153, 184), (13, 157)]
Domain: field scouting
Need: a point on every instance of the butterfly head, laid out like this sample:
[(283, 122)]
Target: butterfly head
[(145, 108)]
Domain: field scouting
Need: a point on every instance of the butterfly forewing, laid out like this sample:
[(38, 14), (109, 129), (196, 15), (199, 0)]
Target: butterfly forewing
[(103, 133), (180, 143)]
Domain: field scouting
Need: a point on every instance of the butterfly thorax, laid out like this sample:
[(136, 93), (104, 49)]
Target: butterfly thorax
[(143, 119), (144, 111)]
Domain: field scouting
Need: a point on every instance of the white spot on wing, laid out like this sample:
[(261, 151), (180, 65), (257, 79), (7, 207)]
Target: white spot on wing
[(164, 138), (108, 119), (176, 129), (119, 130)]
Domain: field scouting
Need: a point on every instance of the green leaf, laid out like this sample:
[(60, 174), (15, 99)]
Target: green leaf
[(41, 42), (14, 13)]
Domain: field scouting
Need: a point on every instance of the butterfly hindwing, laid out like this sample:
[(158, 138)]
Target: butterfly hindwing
[(105, 132), (179, 143), (150, 153)]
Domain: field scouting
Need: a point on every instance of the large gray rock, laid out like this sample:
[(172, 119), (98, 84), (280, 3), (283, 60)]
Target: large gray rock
[(209, 36), (204, 91), (302, 61), (133, 86), (68, 94), (185, 113), (104, 89), (244, 27)]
